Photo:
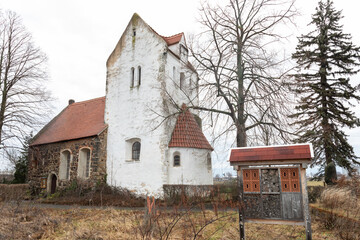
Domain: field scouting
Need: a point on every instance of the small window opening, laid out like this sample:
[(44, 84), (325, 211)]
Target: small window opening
[(132, 77), (182, 80), (176, 160), (139, 75), (174, 73), (284, 174), (136, 151), (294, 185), (294, 174), (134, 32), (285, 185), (209, 161)]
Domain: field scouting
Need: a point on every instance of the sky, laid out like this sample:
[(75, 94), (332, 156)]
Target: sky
[(79, 35)]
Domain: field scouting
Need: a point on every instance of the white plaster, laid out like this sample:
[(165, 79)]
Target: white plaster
[(193, 169), (133, 113)]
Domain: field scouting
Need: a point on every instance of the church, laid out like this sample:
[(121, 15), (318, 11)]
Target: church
[(142, 135)]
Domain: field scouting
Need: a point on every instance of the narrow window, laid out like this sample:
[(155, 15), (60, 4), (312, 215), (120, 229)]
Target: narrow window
[(134, 32), (208, 159), (68, 166), (139, 75), (136, 151), (88, 163), (177, 160), (132, 77), (84, 163), (64, 168), (174, 73), (182, 80)]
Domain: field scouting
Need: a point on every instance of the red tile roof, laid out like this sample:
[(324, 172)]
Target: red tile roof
[(187, 132), (271, 153), (173, 39), (78, 120)]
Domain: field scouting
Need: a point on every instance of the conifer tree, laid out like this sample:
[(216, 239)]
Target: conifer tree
[(326, 59)]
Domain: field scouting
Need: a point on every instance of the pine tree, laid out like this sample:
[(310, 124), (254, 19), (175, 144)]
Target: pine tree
[(21, 165), (326, 59)]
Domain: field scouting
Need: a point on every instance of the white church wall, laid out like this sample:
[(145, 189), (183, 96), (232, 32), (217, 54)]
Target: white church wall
[(130, 111), (193, 169)]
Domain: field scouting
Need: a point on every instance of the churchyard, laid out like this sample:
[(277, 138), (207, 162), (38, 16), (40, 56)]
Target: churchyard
[(335, 214)]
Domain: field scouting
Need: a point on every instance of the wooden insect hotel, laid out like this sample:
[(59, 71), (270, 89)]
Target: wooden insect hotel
[(272, 184)]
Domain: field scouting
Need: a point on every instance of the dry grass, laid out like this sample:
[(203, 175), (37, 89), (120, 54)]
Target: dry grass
[(25, 222), (315, 183)]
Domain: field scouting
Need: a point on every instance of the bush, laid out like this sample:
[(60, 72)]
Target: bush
[(13, 192), (314, 193), (81, 193)]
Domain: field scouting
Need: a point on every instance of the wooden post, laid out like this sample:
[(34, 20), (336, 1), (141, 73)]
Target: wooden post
[(307, 217), (241, 205)]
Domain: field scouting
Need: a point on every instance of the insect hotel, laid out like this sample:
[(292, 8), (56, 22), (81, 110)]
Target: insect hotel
[(272, 184)]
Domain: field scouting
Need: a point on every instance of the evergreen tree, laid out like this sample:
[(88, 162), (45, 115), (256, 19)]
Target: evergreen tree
[(21, 164), (326, 58)]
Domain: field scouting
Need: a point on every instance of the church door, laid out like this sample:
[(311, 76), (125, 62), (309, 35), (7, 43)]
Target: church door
[(53, 183)]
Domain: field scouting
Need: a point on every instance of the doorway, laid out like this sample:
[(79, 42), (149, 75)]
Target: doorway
[(53, 184)]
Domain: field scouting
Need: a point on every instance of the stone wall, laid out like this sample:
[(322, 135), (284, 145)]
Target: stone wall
[(44, 160)]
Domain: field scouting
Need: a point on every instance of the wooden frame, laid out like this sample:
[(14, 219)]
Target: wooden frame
[(294, 191)]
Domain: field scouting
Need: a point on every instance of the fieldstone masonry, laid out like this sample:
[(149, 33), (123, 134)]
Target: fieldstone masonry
[(45, 160)]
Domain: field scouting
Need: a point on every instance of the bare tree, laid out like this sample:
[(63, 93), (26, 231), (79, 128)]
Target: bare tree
[(241, 76), (24, 99)]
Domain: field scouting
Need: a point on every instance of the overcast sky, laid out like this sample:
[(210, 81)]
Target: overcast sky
[(79, 35)]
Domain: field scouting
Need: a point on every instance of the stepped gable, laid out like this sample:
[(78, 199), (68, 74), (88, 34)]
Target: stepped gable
[(77, 120), (187, 132)]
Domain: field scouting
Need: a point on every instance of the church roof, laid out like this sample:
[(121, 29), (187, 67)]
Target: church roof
[(173, 39), (187, 133), (77, 120)]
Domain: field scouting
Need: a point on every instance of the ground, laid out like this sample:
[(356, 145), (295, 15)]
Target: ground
[(28, 221)]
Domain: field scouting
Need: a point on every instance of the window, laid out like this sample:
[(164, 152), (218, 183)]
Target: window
[(65, 160), (182, 80), (134, 32), (84, 163), (208, 160), (139, 75), (174, 73), (136, 151), (177, 160), (132, 77)]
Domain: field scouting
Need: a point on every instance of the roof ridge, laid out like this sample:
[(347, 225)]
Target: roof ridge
[(175, 35), (86, 101)]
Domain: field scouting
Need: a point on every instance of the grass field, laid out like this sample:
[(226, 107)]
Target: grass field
[(25, 222)]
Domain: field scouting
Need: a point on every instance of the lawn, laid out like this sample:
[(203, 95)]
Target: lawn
[(26, 222)]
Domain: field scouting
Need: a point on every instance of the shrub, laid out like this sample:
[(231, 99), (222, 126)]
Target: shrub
[(314, 193), (13, 192)]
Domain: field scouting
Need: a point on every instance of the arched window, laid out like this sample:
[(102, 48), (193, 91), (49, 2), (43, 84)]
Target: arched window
[(174, 73), (132, 77), (177, 160), (136, 151), (65, 160), (84, 163), (182, 80), (139, 75), (208, 160)]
